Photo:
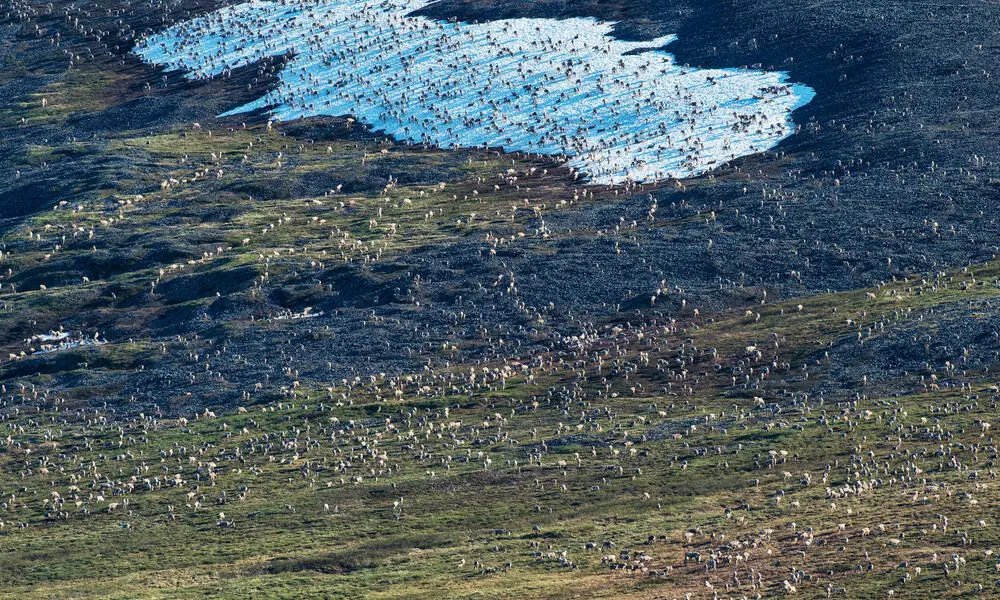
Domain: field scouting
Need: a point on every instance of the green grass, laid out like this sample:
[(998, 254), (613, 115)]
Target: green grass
[(400, 447)]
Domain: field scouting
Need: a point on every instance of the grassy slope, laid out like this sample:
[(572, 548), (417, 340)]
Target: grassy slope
[(641, 430), (695, 455)]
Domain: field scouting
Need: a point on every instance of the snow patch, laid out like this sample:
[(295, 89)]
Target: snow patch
[(616, 110)]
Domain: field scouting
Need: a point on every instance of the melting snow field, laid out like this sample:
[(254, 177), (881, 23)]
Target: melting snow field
[(616, 110)]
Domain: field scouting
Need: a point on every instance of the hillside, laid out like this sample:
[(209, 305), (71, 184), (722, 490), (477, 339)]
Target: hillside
[(244, 357)]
